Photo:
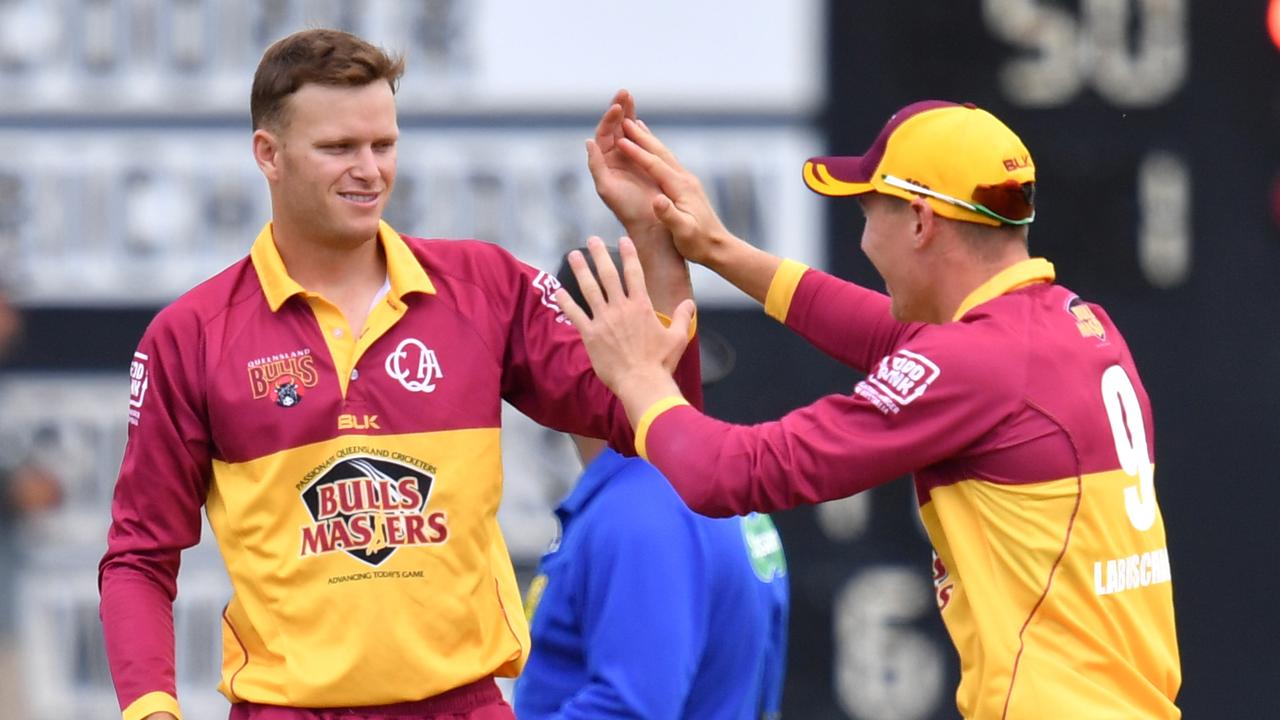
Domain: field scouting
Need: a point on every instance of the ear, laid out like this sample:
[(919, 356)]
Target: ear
[(266, 152), (925, 224)]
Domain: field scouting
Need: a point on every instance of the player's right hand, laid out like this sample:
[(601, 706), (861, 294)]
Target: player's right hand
[(684, 207)]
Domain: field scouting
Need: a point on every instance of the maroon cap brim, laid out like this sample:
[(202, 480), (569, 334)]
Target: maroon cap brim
[(844, 175), (839, 176)]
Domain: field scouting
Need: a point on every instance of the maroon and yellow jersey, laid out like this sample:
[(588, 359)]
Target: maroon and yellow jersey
[(352, 481), (1031, 440)]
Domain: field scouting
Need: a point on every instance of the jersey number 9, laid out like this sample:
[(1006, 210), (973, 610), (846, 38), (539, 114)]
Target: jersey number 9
[(1130, 434)]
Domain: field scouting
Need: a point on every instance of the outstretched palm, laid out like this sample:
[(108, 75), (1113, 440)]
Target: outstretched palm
[(626, 189)]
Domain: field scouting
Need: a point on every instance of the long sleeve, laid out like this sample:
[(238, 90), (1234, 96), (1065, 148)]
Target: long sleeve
[(644, 610), (547, 373), (846, 321), (920, 404), (155, 514)]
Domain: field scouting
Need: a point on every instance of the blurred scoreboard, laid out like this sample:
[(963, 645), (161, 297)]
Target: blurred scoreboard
[(1150, 120), (1153, 124)]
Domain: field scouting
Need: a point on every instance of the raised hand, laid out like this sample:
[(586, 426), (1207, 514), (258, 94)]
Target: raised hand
[(630, 193), (626, 189), (683, 205), (630, 349)]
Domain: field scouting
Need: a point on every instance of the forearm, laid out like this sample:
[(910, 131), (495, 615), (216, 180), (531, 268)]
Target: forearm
[(643, 392), (137, 625), (747, 267), (666, 273), (846, 321), (721, 469)]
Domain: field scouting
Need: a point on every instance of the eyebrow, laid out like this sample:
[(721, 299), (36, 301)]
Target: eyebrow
[(350, 140)]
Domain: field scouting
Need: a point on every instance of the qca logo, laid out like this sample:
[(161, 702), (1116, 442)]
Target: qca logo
[(415, 366)]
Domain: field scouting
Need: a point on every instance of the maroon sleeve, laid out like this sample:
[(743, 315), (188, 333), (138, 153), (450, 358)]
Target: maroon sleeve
[(919, 405), (548, 376), (844, 320), (155, 512)]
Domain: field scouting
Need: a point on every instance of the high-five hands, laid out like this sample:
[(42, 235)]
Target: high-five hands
[(686, 212), (630, 349), (629, 192), (683, 205), (626, 189)]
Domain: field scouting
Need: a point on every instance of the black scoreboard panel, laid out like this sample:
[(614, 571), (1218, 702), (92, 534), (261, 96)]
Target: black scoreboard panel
[(1155, 126)]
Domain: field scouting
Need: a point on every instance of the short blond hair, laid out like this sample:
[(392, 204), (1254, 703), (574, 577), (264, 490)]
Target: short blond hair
[(321, 56)]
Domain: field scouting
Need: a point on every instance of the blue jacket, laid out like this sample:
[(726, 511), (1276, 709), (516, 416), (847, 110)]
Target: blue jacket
[(648, 610)]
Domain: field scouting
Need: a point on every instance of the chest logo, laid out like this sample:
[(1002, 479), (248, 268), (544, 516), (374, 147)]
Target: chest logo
[(369, 507), (287, 394), (283, 376), (415, 366)]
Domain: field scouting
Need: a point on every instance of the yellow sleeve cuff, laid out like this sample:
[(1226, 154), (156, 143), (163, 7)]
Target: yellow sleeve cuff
[(646, 420), (666, 322), (152, 702), (782, 288)]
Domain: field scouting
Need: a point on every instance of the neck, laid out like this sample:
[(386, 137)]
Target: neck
[(348, 276), (330, 269), (958, 273), (588, 448)]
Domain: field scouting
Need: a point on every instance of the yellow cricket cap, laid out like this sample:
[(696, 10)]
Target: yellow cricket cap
[(962, 159)]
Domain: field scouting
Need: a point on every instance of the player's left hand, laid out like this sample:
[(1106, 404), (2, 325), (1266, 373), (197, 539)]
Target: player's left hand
[(626, 189), (630, 349)]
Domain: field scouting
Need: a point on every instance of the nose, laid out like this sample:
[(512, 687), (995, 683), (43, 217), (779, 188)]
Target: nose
[(365, 166)]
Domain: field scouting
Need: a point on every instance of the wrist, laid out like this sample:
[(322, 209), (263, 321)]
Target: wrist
[(641, 388), (721, 247), (650, 229), (654, 246)]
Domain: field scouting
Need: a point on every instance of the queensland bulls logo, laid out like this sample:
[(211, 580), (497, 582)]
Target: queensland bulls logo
[(287, 394), (283, 376), (370, 506)]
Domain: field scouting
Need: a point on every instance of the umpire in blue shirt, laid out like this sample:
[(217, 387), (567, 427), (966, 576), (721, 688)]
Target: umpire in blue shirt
[(645, 609)]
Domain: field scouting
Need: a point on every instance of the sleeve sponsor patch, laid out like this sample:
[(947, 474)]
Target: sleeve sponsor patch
[(137, 386), (546, 284), (898, 380)]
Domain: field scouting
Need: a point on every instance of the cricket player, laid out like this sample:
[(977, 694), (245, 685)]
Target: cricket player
[(332, 402), (1015, 402)]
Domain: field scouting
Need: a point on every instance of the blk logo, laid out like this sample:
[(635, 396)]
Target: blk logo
[(415, 366)]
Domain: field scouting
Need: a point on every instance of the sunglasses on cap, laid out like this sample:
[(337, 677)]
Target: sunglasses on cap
[(1013, 199)]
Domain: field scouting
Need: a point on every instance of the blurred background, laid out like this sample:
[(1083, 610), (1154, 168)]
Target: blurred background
[(126, 177)]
